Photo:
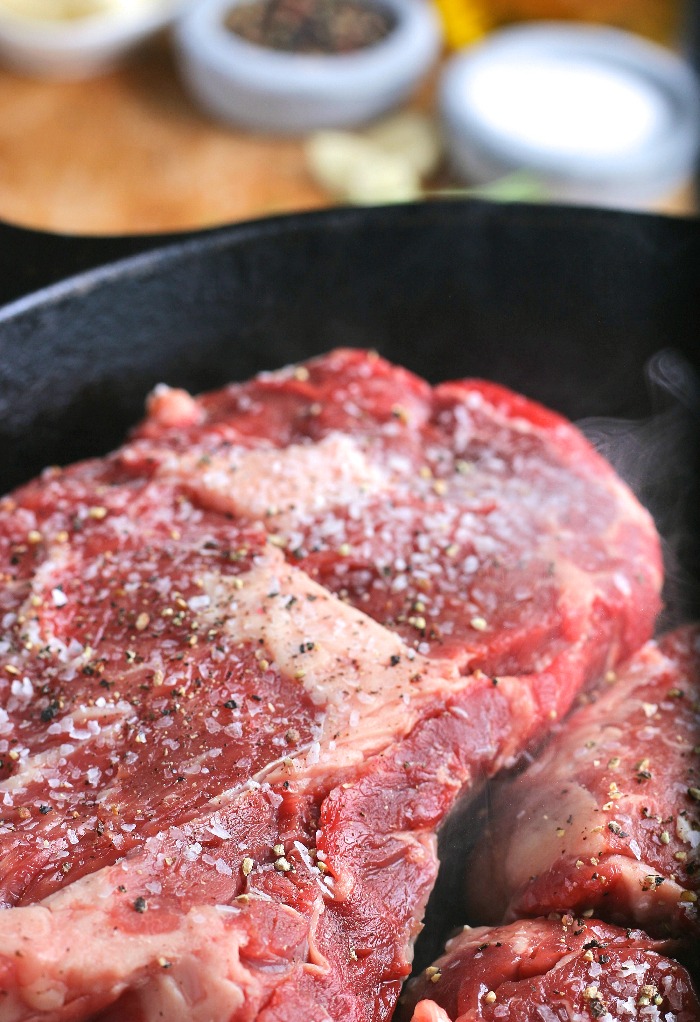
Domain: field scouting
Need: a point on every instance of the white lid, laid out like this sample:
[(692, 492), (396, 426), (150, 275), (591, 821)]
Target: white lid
[(597, 114)]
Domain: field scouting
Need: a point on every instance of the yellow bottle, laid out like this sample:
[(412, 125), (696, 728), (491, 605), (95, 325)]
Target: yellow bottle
[(466, 20)]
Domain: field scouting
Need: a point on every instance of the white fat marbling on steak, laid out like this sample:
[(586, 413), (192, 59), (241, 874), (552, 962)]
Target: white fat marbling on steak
[(99, 966), (274, 483), (370, 684)]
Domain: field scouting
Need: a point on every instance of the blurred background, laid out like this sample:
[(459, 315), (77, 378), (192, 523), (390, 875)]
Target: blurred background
[(141, 116)]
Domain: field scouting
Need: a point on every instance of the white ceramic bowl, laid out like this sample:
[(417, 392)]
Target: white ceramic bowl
[(595, 115), (81, 47), (291, 93)]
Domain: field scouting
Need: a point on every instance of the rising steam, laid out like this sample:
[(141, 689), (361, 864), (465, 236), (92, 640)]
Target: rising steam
[(658, 458)]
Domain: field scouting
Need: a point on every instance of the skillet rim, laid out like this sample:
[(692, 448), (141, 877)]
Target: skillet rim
[(168, 249)]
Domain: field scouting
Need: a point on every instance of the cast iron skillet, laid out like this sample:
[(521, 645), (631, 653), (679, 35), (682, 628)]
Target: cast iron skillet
[(567, 305), (564, 304)]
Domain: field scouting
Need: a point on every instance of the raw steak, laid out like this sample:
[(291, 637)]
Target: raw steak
[(244, 678), (477, 525), (608, 817), (547, 970)]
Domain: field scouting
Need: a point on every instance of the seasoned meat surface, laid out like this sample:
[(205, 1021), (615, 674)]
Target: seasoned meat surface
[(477, 525), (554, 970), (250, 660), (608, 816)]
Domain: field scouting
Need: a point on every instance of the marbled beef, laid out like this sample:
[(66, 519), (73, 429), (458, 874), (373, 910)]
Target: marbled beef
[(551, 970), (250, 660), (607, 819)]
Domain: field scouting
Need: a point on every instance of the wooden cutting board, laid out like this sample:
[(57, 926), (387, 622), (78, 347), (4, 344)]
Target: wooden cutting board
[(130, 152)]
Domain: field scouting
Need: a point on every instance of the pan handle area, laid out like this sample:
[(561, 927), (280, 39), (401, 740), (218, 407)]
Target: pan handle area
[(32, 259)]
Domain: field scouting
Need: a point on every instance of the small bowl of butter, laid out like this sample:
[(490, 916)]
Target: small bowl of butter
[(76, 38)]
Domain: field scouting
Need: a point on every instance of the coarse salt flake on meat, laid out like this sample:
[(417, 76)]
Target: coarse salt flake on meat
[(250, 661)]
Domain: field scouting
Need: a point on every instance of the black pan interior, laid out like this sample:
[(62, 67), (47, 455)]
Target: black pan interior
[(567, 305), (564, 304)]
